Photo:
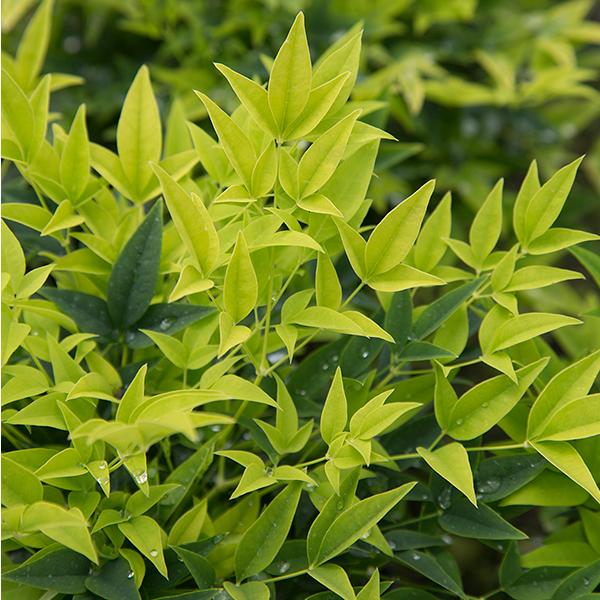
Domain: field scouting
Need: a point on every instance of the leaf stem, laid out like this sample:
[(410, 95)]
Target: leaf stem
[(286, 576)]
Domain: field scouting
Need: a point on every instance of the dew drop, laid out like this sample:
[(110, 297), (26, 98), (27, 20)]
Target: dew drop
[(489, 487), (284, 567), (484, 405), (415, 556), (103, 480), (585, 581), (340, 505), (216, 428), (141, 476), (302, 392), (571, 588), (335, 358), (392, 545), (365, 536), (166, 323), (153, 553), (459, 422), (129, 336), (535, 584), (325, 367), (500, 547), (365, 354), (447, 539), (129, 574), (102, 465)]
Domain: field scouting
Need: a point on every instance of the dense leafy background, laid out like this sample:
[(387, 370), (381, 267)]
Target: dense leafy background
[(400, 383)]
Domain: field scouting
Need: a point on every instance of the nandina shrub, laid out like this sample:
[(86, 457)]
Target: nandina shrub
[(219, 383)]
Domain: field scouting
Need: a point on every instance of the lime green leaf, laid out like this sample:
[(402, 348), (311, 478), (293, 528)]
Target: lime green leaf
[(75, 158), (529, 188), (545, 206), (17, 112), (480, 523), (253, 590), (107, 163), (237, 146), (145, 534), (254, 97), (527, 326), (369, 327), (320, 161), (13, 335), (319, 102), (240, 290), (558, 239), (19, 485), (548, 489), (138, 503), (576, 420), (235, 193), (172, 348), (357, 520), (487, 224), (63, 218), (539, 276), (192, 221), (564, 457), (66, 527), (289, 336), (334, 578), (502, 362), (265, 171), (479, 409), (445, 398), (452, 463), (133, 397), (464, 252), (318, 203), (238, 388), (335, 410), (213, 157), (64, 367), (402, 277), (135, 273), (139, 133), (263, 540), (354, 245), (589, 260), (430, 247), (371, 590), (503, 273), (395, 234), (231, 335), (327, 284), (31, 215), (288, 173), (290, 80), (326, 318), (382, 417), (190, 282), (290, 238), (188, 527)]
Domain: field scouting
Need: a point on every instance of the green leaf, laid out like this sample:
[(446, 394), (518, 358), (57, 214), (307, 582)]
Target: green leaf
[(317, 203), (487, 224), (237, 146), (212, 156), (264, 173), (319, 103), (13, 259), (480, 408), (539, 276), (254, 97), (463, 519), (192, 221), (327, 284), (529, 188), (57, 569), (107, 163), (66, 527), (145, 534), (200, 569), (19, 485), (452, 463), (423, 351), (572, 382), (135, 273), (538, 583), (231, 335), (188, 527), (253, 590), (113, 582), (17, 112), (335, 410), (326, 318), (503, 273), (240, 290), (290, 80), (395, 234), (64, 368), (398, 320), (500, 476), (75, 158), (430, 568), (355, 247), (190, 282), (89, 312), (545, 206), (576, 420), (430, 247), (288, 173), (320, 161), (510, 569), (133, 397), (548, 489), (558, 239), (564, 457), (334, 578), (437, 312), (238, 388), (402, 277), (445, 398), (263, 540), (357, 520), (139, 133), (589, 260), (579, 583)]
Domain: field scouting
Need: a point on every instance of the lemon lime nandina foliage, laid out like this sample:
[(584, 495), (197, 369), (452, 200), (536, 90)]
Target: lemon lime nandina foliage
[(218, 382)]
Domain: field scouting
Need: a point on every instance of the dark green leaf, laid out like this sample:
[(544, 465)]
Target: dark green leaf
[(430, 568), (167, 319), (463, 519), (538, 583), (579, 583), (60, 570), (510, 569), (437, 312), (199, 595), (500, 476), (409, 594), (200, 569), (115, 581), (89, 312), (359, 354), (400, 540), (135, 273), (398, 321), (589, 260), (423, 351)]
